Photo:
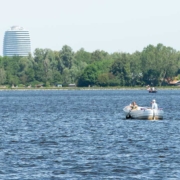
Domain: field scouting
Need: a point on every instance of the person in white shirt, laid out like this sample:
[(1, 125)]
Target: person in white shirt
[(154, 104)]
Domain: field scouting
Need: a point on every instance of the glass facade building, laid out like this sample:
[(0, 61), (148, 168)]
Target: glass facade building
[(16, 42)]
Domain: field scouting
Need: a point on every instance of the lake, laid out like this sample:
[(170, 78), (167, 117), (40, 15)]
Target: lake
[(83, 134)]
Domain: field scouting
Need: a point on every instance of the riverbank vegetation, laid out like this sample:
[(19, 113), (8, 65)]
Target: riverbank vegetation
[(155, 65)]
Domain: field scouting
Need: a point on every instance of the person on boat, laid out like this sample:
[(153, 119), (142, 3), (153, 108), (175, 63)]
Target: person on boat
[(150, 89), (133, 105), (154, 104)]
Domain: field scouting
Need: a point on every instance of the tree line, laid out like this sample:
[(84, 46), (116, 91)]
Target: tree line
[(155, 65)]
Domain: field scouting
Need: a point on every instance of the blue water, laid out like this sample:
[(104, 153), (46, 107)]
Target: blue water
[(76, 134)]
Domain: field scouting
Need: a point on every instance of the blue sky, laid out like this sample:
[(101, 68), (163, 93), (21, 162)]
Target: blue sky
[(109, 25)]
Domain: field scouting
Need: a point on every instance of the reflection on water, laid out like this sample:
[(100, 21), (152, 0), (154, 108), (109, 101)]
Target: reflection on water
[(84, 135)]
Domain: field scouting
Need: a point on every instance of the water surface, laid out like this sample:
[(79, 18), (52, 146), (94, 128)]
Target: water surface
[(79, 134)]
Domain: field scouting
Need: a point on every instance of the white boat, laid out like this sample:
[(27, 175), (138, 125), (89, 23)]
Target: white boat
[(143, 113), (151, 89)]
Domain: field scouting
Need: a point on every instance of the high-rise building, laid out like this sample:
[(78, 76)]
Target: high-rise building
[(16, 42)]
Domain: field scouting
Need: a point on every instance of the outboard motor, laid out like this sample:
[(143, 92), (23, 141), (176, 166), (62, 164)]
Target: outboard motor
[(128, 116)]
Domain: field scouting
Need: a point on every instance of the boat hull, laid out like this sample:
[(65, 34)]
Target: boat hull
[(143, 113), (152, 91)]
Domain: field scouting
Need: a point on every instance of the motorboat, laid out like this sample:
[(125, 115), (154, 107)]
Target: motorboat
[(143, 113), (152, 90)]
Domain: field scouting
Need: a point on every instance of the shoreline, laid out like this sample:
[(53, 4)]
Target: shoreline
[(88, 88)]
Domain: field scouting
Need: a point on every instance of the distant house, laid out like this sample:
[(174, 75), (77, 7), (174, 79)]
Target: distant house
[(59, 85), (72, 85), (13, 86), (174, 83), (39, 85)]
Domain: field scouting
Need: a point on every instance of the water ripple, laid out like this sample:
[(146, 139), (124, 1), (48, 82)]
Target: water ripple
[(84, 135)]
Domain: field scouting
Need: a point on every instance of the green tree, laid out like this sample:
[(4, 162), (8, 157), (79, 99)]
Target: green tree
[(67, 56), (136, 69), (99, 55), (159, 63), (2, 76), (93, 71), (121, 69), (89, 76), (66, 77), (107, 79), (83, 56)]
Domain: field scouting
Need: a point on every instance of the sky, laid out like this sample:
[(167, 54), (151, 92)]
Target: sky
[(108, 25)]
